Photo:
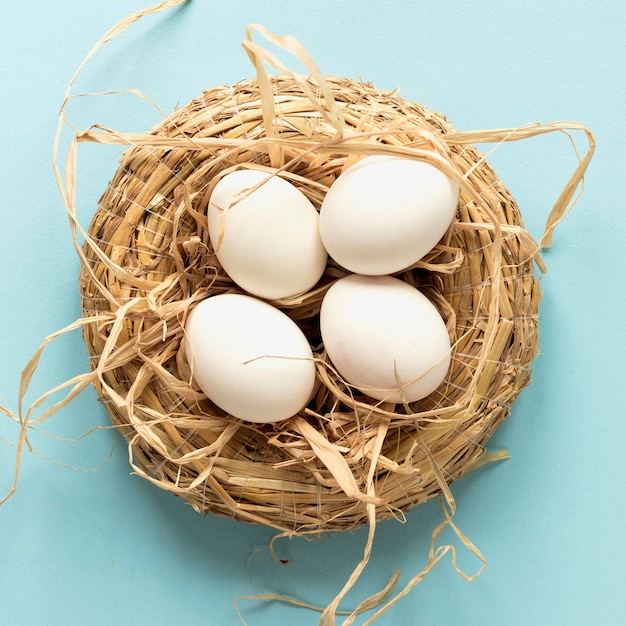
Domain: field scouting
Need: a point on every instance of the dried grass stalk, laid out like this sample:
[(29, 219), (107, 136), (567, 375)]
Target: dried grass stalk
[(147, 260)]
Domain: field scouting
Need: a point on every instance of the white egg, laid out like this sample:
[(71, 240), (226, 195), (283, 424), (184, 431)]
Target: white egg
[(385, 213), (378, 330), (268, 242), (249, 358)]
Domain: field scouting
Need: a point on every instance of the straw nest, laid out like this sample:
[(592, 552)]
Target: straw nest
[(344, 460)]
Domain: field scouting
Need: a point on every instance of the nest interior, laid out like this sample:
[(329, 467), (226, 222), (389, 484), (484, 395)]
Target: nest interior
[(147, 260)]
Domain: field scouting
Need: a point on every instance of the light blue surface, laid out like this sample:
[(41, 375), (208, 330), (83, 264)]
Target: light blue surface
[(104, 547)]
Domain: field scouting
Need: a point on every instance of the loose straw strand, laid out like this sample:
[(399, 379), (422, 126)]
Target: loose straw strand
[(146, 261)]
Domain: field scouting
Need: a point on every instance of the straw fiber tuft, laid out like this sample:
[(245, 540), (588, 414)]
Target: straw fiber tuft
[(146, 261)]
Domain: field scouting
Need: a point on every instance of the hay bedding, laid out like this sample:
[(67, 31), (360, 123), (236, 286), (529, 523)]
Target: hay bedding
[(146, 260)]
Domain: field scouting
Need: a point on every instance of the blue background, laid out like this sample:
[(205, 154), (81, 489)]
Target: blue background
[(104, 547)]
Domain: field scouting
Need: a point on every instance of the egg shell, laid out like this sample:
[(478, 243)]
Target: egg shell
[(375, 326), (384, 213), (249, 357), (268, 241)]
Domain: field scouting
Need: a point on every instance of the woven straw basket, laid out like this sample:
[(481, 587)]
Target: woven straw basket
[(345, 460)]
